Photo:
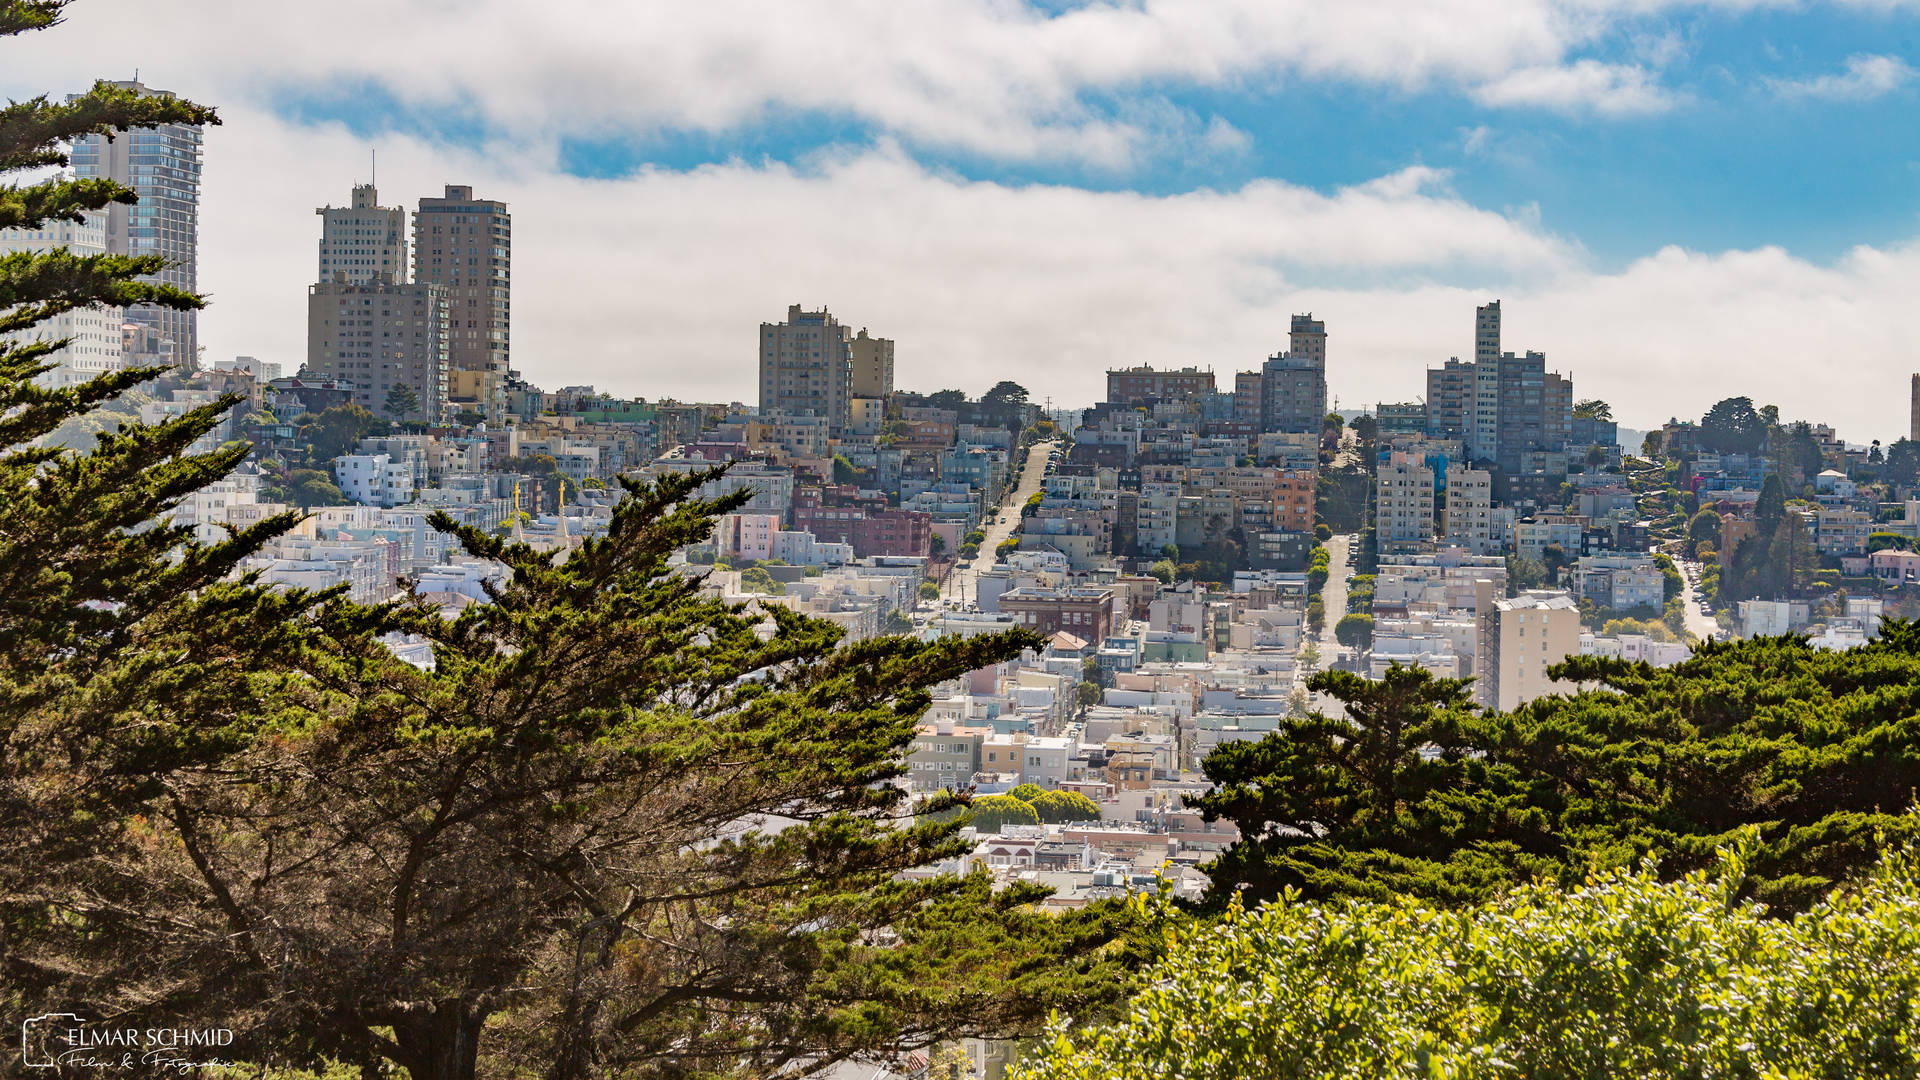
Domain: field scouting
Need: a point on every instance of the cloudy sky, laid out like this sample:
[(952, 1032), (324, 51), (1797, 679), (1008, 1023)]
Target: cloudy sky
[(1675, 199)]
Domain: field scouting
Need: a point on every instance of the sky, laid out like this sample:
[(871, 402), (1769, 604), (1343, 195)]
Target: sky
[(1675, 200)]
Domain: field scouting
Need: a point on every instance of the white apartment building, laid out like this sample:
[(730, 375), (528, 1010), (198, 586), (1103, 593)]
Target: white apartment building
[(1403, 510), (1469, 513), (374, 479), (1621, 582), (363, 241), (1635, 648), (95, 346)]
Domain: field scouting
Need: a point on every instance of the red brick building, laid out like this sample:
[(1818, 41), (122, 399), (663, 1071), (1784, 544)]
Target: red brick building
[(1086, 613)]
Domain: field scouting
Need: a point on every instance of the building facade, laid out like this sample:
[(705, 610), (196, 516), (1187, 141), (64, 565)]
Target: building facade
[(1293, 384), (872, 365), (806, 365), (1403, 509), (465, 244), (1469, 511), (380, 336), (162, 166), (1519, 638), (363, 242), (1139, 385), (95, 341)]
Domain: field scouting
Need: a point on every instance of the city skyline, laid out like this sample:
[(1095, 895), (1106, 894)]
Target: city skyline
[(649, 252)]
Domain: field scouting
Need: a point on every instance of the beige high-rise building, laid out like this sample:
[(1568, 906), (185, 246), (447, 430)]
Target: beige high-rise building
[(1913, 413), (1519, 638), (1469, 512), (466, 245), (806, 365), (382, 335), (363, 241), (872, 365)]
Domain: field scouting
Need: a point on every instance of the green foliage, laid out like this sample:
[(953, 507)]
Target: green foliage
[(1164, 570), (313, 487), (991, 813), (975, 537), (1087, 694), (755, 579), (1326, 805), (1733, 426), (1323, 532), (845, 472), (1064, 807), (1592, 409), (1882, 541), (1355, 631), (1360, 593), (929, 591), (1319, 566), (1902, 466), (1006, 547), (1818, 750), (1026, 793), (401, 401), (1628, 975), (337, 430), (1341, 497), (1523, 574)]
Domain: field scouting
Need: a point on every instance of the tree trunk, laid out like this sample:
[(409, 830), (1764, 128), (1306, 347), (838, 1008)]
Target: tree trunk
[(441, 1044)]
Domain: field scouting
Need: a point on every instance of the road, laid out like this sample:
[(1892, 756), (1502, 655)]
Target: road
[(1334, 597), (960, 585), (1701, 626)]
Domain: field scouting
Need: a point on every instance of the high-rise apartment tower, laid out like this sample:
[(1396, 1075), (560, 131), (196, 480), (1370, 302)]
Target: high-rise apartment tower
[(806, 365), (364, 240), (162, 166), (466, 245)]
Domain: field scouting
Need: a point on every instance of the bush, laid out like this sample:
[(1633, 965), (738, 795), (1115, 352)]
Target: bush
[(929, 591), (1026, 793), (1323, 532), (1164, 570), (1061, 807), (1627, 976), (991, 813)]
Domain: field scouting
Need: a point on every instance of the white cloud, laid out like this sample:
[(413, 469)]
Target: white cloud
[(1867, 76), (654, 284), (991, 77), (1607, 89)]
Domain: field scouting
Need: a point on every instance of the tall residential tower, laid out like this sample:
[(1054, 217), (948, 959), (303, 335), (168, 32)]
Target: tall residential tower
[(466, 245), (806, 365), (162, 166), (363, 240)]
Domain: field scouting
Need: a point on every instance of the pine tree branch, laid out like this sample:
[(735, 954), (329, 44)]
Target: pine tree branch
[(19, 16), (32, 131)]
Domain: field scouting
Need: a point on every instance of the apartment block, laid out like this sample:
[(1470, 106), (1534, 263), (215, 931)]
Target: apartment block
[(1293, 391), (1520, 638), (465, 244), (379, 336), (872, 365), (95, 341), (363, 242), (1084, 612), (806, 365), (162, 166), (1469, 512), (1139, 385), (1403, 508), (1621, 582)]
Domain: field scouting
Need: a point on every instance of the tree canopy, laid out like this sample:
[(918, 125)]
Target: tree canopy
[(1733, 426), (1818, 750)]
